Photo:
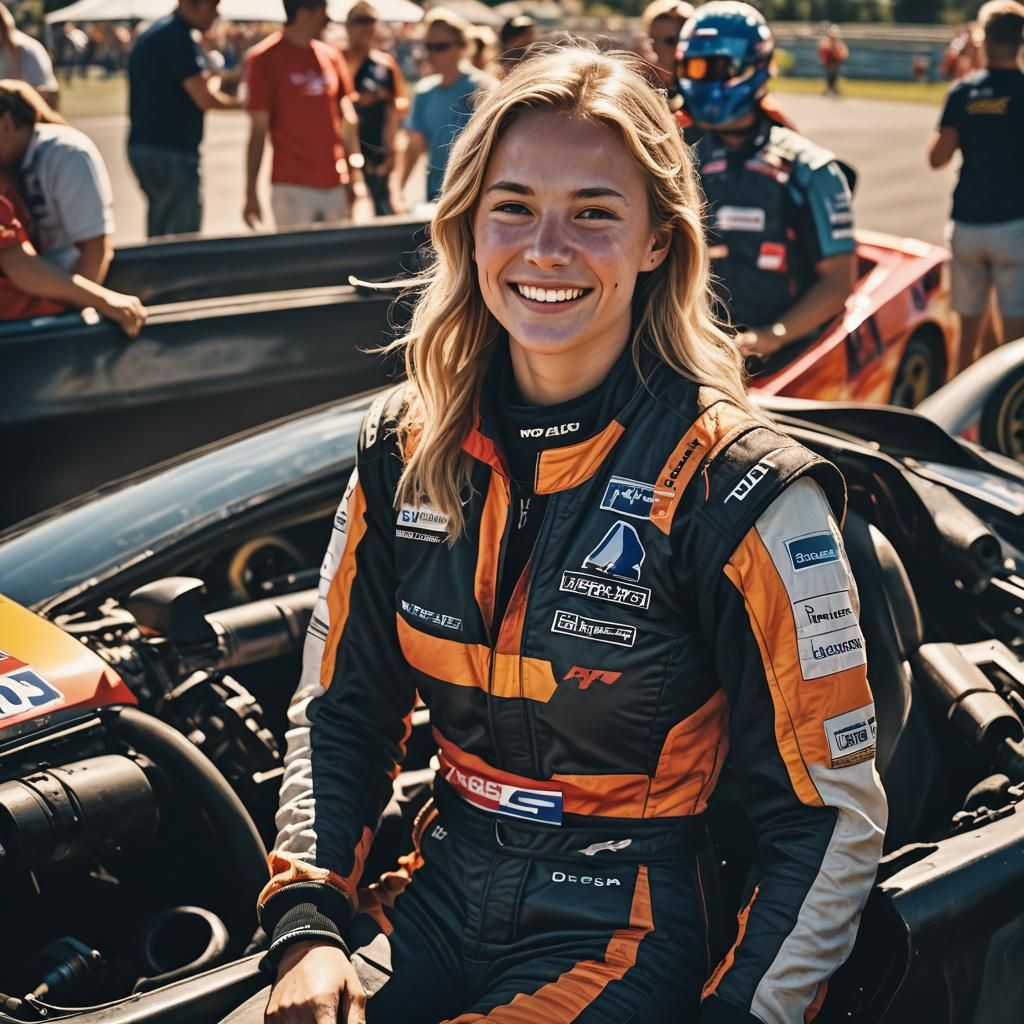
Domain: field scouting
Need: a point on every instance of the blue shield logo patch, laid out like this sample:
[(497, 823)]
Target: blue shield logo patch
[(619, 553)]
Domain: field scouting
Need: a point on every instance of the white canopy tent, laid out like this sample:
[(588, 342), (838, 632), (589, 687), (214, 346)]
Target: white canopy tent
[(229, 10)]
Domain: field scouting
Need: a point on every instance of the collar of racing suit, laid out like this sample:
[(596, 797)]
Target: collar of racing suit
[(604, 414)]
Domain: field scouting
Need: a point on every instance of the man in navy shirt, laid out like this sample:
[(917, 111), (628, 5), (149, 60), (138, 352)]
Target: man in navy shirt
[(984, 119), (170, 90)]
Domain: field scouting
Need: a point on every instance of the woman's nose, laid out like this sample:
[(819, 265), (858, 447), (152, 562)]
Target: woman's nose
[(550, 246)]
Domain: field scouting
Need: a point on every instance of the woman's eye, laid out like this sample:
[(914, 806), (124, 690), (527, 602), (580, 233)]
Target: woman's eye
[(511, 207), (595, 213)]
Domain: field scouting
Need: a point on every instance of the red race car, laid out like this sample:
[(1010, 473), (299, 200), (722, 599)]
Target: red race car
[(896, 341)]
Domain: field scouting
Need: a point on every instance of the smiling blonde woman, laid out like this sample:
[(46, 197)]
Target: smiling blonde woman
[(605, 575)]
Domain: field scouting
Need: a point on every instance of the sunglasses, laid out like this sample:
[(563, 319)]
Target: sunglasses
[(437, 47), (667, 40), (715, 68), (363, 20)]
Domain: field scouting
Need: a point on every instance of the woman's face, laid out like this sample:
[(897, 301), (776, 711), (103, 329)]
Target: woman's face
[(562, 229)]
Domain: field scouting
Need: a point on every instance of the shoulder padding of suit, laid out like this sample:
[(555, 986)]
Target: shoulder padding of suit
[(378, 434), (744, 478)]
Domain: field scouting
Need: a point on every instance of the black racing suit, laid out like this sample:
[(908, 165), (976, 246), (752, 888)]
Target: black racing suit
[(777, 205), (687, 596)]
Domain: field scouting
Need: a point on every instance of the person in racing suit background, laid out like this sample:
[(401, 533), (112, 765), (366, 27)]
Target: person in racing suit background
[(574, 538), (780, 223)]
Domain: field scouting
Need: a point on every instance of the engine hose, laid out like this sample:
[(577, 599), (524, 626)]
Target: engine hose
[(194, 771), (1009, 756)]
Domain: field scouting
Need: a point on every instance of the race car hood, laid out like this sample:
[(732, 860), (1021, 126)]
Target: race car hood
[(46, 674)]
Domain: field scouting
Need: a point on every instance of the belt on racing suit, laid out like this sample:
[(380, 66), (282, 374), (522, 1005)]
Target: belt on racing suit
[(633, 841)]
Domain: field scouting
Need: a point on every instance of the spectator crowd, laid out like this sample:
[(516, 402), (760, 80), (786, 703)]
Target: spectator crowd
[(345, 126)]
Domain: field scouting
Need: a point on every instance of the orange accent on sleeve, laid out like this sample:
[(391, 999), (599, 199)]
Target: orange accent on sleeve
[(340, 593), (801, 707), (819, 998), (711, 986), (718, 424), (381, 895), (492, 526), (286, 870), (559, 469), (564, 999)]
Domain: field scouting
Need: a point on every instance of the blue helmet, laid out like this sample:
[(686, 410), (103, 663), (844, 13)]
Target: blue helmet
[(722, 63)]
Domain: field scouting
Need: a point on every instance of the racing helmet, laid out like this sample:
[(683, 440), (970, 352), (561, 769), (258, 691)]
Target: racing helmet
[(722, 62)]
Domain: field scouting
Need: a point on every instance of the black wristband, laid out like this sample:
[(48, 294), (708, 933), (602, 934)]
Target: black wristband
[(301, 923)]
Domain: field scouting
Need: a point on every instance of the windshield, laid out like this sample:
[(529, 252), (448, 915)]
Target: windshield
[(93, 537)]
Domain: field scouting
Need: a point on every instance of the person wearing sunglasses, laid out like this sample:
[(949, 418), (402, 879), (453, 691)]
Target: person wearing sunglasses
[(779, 207), (663, 20), (443, 101), (381, 100)]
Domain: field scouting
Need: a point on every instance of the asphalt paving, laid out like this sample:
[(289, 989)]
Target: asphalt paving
[(883, 140)]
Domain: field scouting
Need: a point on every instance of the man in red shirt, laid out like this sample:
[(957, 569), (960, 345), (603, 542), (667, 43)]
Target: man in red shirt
[(301, 92)]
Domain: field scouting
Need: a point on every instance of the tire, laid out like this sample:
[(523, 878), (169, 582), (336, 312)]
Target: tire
[(1002, 418), (918, 375)]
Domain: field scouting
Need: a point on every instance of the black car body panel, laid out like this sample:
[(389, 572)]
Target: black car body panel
[(99, 406), (203, 268)]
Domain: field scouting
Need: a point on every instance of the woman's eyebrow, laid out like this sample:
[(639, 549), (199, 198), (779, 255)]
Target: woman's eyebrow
[(583, 193)]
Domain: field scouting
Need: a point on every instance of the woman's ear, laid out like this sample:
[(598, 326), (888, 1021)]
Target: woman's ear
[(661, 242)]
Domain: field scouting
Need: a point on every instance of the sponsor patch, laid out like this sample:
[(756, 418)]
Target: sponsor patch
[(22, 689), (750, 481), (417, 518), (586, 676), (824, 611), (603, 589), (833, 651), (618, 553), (851, 736), (719, 166), (629, 497), (543, 805), (718, 252), (812, 549), (432, 617), (594, 629), (740, 218), (772, 256)]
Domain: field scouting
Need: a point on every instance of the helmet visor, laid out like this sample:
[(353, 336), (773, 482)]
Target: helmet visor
[(717, 67)]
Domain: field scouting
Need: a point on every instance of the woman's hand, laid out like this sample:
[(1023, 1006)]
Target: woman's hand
[(125, 310), (316, 984)]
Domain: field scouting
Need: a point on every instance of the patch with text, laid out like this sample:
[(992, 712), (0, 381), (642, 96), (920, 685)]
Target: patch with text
[(594, 629), (540, 805), (851, 736), (603, 589)]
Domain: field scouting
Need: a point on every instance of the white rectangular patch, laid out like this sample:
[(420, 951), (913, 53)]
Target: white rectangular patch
[(594, 629), (740, 218), (604, 589), (831, 651), (851, 736), (422, 517)]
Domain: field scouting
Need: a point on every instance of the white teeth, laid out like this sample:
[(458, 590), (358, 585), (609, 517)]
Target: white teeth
[(528, 291)]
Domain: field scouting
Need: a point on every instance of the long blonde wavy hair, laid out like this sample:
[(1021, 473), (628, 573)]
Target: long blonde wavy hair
[(452, 334)]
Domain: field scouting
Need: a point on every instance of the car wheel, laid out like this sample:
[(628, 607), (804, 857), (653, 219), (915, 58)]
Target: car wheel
[(1002, 419), (917, 376)]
